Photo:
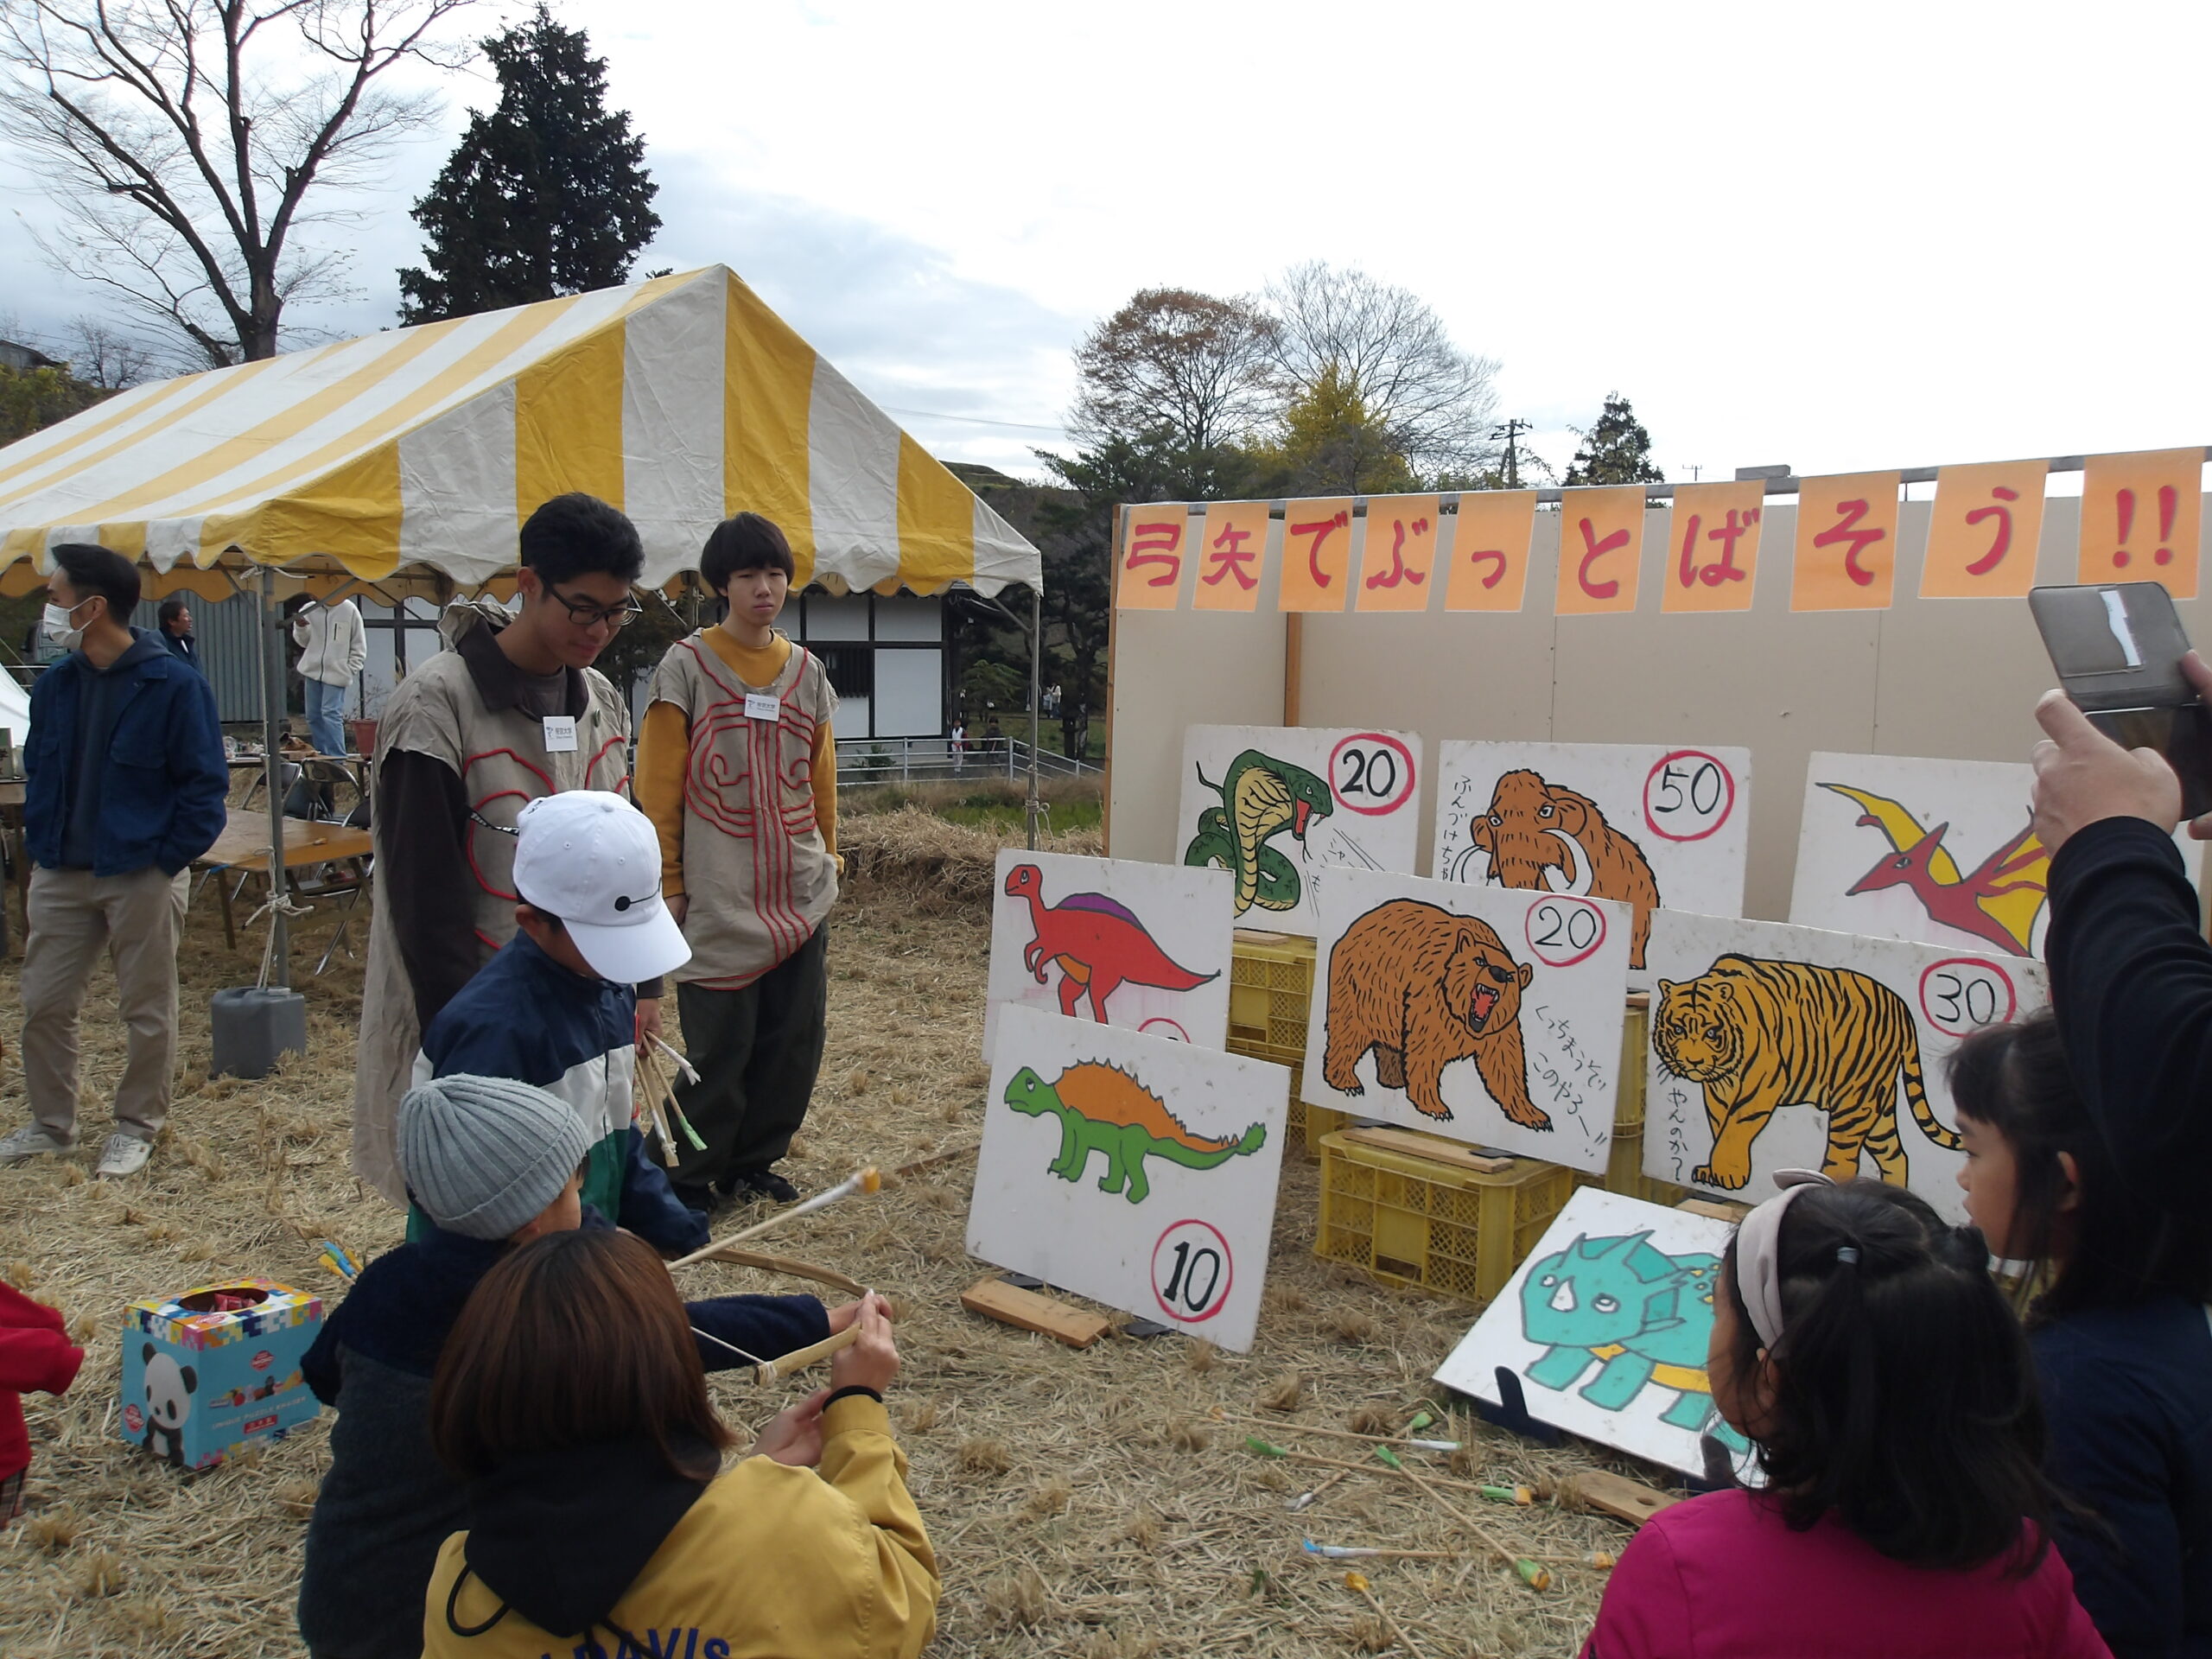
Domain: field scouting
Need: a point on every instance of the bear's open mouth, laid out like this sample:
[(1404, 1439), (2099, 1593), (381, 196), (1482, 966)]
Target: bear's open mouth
[(1484, 1000)]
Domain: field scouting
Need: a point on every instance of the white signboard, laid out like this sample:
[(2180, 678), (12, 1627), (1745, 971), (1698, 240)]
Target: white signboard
[(1606, 1326), (1115, 941), (1137, 1171), (1779, 1047), (1484, 1014), (1648, 825), (1278, 806)]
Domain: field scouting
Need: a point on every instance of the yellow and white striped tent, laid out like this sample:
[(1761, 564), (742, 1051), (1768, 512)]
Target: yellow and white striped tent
[(680, 400)]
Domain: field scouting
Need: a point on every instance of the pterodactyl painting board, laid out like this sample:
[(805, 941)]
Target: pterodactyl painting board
[(1121, 943), (1277, 806), (1779, 1047), (1479, 1013), (1606, 1324), (1137, 1171), (1648, 825)]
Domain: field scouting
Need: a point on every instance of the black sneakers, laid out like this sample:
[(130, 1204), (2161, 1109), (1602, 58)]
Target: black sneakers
[(745, 1184)]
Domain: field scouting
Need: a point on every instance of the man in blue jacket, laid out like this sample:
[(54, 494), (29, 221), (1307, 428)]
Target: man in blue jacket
[(124, 781)]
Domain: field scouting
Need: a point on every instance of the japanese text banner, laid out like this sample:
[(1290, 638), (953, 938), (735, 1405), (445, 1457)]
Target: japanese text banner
[(1491, 535), (1713, 559), (2140, 517), (1983, 531), (1231, 554), (1847, 543), (1316, 554), (1151, 562), (1600, 550), (1400, 554)]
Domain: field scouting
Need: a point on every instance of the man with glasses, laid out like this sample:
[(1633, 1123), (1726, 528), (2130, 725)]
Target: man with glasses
[(511, 711)]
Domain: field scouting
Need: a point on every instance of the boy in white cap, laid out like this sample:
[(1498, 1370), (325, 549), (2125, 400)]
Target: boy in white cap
[(556, 1006)]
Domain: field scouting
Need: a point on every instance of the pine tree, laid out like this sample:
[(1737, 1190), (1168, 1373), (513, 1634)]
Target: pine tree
[(1617, 451), (546, 195)]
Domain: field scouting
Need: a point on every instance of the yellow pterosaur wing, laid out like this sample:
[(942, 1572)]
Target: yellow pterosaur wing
[(2014, 890), (1905, 831)]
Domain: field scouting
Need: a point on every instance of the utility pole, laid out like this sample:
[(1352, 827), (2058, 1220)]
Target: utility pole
[(1511, 432)]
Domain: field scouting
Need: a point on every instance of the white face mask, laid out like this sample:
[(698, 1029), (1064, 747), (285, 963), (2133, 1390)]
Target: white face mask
[(56, 622)]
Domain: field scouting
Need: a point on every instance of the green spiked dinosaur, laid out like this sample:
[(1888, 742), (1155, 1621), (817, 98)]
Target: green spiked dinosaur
[(1104, 1110), (1262, 796)]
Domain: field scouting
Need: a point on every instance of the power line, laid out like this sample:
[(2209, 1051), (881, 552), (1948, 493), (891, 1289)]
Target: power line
[(972, 420)]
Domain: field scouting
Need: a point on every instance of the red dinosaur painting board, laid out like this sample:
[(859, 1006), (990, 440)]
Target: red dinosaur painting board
[(1649, 824), (1779, 1047), (1281, 807), (1137, 1171), (1486, 1014), (1111, 941)]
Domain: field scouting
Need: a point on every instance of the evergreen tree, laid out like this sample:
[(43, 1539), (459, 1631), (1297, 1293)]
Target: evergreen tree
[(546, 195), (1617, 451)]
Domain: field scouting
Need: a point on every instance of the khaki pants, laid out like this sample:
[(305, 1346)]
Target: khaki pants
[(138, 919)]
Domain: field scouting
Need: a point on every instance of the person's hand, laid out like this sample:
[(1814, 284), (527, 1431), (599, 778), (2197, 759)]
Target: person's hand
[(873, 1360), (2082, 776), (843, 1315), (794, 1435), (679, 906), (648, 1022)]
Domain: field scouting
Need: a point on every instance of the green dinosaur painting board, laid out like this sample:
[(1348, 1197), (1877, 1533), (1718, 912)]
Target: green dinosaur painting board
[(1484, 1013), (1112, 941), (1779, 1047), (1606, 1326), (1137, 1171), (1280, 807)]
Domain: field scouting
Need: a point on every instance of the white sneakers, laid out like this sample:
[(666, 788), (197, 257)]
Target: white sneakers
[(122, 1154), (31, 1141)]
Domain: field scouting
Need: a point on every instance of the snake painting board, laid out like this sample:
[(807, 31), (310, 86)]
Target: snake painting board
[(1280, 807), (1113, 941), (1645, 823), (1606, 1326), (1137, 1171), (1486, 1014), (1781, 1047)]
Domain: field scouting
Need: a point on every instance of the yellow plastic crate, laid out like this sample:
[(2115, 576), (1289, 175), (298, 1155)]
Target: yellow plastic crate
[(1413, 1221), (1270, 989)]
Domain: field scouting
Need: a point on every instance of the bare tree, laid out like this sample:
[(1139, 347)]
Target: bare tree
[(1382, 346), (1200, 368), (100, 354), (181, 139)]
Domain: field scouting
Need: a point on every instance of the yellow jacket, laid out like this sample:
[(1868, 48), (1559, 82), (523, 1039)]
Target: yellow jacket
[(772, 1562)]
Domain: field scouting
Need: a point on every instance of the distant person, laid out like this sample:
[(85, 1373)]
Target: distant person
[(125, 783), (1862, 1348), (959, 746), (334, 644), (174, 620)]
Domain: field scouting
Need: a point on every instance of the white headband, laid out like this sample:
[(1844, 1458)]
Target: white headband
[(1758, 1253)]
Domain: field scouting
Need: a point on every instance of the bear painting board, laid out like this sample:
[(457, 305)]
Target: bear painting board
[(1412, 977), (1145, 946), (1137, 1171), (1278, 806), (1607, 1324), (1644, 823), (1779, 1047)]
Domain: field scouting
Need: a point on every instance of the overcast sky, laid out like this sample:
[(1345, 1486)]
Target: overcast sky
[(1839, 237)]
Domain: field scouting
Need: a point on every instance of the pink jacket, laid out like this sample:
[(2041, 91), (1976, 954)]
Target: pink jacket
[(1721, 1577), (35, 1355)]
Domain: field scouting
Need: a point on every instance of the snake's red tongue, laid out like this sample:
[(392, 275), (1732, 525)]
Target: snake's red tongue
[(1485, 1000), (1300, 812)]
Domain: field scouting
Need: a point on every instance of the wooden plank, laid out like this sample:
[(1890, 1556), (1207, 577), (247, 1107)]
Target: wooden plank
[(1027, 1311), (1621, 1498), (1435, 1149), (1719, 1210), (1260, 936)]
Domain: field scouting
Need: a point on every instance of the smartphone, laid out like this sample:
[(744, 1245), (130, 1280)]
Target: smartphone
[(2118, 648)]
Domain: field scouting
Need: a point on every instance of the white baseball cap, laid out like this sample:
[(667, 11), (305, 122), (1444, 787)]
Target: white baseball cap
[(593, 859)]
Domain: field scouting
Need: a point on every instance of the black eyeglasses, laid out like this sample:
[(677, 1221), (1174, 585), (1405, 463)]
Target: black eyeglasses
[(585, 614)]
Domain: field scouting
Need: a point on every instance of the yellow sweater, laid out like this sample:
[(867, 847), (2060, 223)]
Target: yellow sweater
[(664, 746), (770, 1563)]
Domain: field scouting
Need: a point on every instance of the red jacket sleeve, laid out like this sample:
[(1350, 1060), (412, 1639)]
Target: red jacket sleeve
[(36, 1353), (1645, 1614)]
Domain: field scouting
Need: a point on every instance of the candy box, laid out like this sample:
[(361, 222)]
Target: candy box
[(205, 1372)]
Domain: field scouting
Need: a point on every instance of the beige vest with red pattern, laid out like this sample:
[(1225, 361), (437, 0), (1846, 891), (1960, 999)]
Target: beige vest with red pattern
[(756, 873)]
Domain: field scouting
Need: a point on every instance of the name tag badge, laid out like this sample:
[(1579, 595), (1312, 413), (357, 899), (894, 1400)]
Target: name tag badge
[(758, 706), (560, 733)]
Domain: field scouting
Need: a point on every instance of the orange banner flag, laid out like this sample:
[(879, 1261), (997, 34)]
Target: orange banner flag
[(1983, 532), (1232, 554), (1712, 559), (1847, 543), (1400, 552), (2140, 517), (1151, 557), (1491, 535), (1600, 550), (1316, 554)]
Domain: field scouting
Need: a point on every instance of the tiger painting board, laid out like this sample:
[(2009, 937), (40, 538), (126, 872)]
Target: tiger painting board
[(1281, 807), (1780, 1047), (1137, 1171), (1145, 946), (1478, 1012), (1606, 1324), (1644, 823)]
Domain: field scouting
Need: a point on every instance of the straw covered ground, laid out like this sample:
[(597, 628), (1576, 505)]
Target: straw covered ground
[(1082, 1502)]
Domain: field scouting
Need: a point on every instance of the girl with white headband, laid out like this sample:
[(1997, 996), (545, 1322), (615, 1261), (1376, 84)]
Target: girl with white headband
[(1860, 1345)]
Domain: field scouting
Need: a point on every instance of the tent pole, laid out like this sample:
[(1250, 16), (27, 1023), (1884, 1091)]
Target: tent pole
[(272, 703), (1036, 682)]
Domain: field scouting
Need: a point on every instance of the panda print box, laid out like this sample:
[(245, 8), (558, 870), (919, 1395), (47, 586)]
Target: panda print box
[(206, 1372)]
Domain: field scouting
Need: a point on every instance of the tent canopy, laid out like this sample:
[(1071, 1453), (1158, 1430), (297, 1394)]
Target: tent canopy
[(681, 400)]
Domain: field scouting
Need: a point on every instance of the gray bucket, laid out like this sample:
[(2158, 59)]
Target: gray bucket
[(252, 1026)]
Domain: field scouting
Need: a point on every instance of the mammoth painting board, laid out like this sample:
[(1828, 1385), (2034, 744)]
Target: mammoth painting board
[(1137, 1171), (1481, 1013), (1111, 940), (1606, 1324), (1280, 807), (1644, 823), (1780, 1047)]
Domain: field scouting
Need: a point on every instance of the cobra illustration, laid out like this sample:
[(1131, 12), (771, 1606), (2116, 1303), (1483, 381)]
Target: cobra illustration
[(1260, 797)]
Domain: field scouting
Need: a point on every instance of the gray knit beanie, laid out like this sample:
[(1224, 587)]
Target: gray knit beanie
[(484, 1155)]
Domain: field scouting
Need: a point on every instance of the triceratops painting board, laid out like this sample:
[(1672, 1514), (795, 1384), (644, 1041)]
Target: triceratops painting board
[(1478, 1012), (1115, 941), (1137, 1171), (1780, 1047), (1645, 824), (1278, 806), (1606, 1325)]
